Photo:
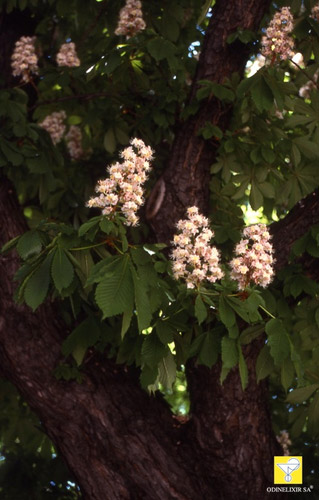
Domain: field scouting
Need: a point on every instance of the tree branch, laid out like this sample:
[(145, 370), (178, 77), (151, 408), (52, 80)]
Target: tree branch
[(114, 437), (186, 178)]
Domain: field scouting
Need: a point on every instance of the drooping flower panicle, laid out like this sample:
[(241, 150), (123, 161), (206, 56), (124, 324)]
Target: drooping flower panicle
[(278, 42), (24, 59), (74, 142), (254, 260), (306, 89), (315, 12), (67, 56), (131, 19), (122, 191), (284, 441), (194, 260), (54, 125)]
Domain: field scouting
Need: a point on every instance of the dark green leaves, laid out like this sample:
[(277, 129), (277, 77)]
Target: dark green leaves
[(264, 364), (200, 309), (37, 284), (62, 270), (159, 48), (278, 340), (29, 244), (114, 293)]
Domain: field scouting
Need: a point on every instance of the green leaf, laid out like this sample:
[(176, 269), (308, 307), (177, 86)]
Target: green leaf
[(85, 335), (278, 340), (170, 27), (89, 225), (243, 370), (29, 245), (167, 371), (62, 270), (295, 155), (287, 373), (10, 244), (298, 396), (229, 352), (165, 331), (159, 48), (142, 302), (226, 312), (115, 293), (239, 307), (37, 286), (251, 333), (264, 364), (200, 310), (148, 377), (210, 348), (256, 198), (153, 351), (110, 141), (126, 321), (74, 120), (309, 148), (103, 269), (262, 95), (313, 416)]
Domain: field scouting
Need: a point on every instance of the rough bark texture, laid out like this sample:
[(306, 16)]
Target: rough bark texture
[(185, 182), (232, 429), (286, 231), (118, 442)]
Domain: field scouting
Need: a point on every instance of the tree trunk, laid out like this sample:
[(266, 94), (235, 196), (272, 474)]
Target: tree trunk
[(185, 182)]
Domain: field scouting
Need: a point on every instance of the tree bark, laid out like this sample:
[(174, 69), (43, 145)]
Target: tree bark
[(118, 442), (185, 182)]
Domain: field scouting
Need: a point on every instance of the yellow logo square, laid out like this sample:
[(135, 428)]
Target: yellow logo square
[(287, 470)]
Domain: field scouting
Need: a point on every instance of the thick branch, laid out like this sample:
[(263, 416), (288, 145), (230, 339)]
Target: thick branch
[(186, 179), (114, 437), (286, 231)]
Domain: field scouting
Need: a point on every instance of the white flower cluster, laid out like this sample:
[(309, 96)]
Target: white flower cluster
[(131, 19), (278, 41), (24, 60), (74, 142), (284, 441), (122, 191), (315, 12), (54, 125), (254, 260), (306, 89), (67, 56), (194, 260)]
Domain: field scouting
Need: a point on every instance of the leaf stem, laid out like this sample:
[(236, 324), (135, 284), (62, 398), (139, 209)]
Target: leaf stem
[(266, 311)]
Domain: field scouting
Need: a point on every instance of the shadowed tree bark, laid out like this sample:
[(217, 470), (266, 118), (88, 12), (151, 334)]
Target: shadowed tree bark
[(119, 442)]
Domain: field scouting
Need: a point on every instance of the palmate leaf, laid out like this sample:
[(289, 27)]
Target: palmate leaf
[(115, 293)]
